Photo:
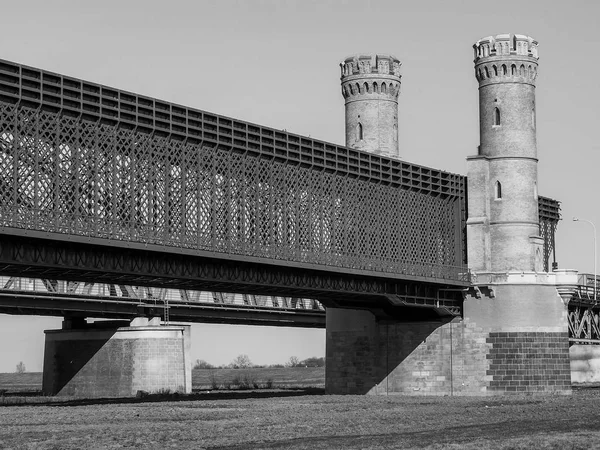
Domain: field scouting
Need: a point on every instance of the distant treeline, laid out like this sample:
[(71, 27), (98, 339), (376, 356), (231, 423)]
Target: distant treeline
[(244, 362)]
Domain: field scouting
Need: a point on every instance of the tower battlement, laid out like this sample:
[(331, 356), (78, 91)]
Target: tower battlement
[(370, 64), (506, 58), (506, 45)]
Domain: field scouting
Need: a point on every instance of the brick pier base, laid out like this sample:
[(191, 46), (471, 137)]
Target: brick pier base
[(513, 338), (117, 362)]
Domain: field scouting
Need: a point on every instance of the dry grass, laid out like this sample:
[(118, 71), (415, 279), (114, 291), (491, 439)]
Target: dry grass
[(291, 419), (234, 420)]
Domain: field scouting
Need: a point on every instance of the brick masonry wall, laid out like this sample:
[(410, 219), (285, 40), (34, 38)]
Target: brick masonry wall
[(529, 362), (351, 363), (419, 358), (434, 358)]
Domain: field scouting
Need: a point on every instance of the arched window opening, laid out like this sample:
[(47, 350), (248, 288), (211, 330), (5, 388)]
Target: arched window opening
[(366, 88), (495, 71), (513, 70), (522, 70), (383, 88), (359, 131), (487, 73), (498, 190), (496, 116), (375, 90), (357, 88), (504, 71)]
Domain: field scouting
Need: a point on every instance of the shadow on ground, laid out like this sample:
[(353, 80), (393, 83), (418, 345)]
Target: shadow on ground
[(36, 398)]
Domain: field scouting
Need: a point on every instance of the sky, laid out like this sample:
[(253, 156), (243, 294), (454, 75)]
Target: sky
[(276, 63)]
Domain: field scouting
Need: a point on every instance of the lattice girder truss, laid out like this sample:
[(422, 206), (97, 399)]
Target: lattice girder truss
[(64, 176), (150, 295), (74, 299), (584, 325)]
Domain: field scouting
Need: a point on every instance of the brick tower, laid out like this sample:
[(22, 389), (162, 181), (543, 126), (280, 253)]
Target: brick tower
[(370, 86), (514, 302), (503, 226), (513, 333)]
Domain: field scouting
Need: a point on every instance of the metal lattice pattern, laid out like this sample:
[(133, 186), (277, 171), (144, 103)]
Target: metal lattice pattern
[(63, 175), (549, 215), (584, 325), (148, 294)]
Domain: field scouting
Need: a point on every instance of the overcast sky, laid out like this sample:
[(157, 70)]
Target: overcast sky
[(276, 63)]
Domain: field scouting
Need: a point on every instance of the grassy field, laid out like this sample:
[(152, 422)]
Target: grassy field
[(295, 418), (202, 379), (288, 420), (21, 382)]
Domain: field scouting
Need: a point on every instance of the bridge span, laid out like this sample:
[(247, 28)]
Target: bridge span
[(107, 191), (103, 185)]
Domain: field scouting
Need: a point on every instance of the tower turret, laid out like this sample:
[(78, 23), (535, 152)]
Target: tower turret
[(503, 225), (370, 86)]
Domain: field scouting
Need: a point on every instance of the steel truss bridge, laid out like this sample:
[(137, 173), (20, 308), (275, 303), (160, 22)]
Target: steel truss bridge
[(100, 186), (584, 311)]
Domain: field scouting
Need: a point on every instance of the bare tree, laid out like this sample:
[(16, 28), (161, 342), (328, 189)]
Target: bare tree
[(293, 362), (201, 364), (241, 362), (20, 368)]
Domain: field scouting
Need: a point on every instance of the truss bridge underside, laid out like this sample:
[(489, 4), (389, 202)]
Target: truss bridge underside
[(584, 311), (118, 301), (99, 185)]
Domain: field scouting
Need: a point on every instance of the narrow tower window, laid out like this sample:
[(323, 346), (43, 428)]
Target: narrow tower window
[(359, 132), (504, 72), (498, 190), (496, 117)]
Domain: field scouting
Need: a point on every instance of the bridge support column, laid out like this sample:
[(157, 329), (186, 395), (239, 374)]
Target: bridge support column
[(108, 360), (513, 337)]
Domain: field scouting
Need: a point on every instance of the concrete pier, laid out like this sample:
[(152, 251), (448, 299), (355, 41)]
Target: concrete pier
[(512, 338), (96, 361)]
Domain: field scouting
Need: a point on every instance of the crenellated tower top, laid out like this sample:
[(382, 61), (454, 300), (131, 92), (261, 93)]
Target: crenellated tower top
[(370, 86), (506, 58), (369, 64)]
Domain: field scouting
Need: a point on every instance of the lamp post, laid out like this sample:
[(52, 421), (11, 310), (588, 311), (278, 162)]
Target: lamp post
[(576, 219)]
